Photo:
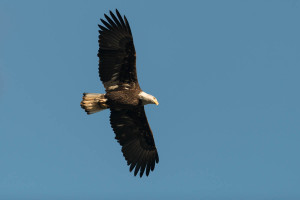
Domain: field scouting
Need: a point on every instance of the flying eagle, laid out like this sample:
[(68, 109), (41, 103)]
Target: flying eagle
[(124, 97)]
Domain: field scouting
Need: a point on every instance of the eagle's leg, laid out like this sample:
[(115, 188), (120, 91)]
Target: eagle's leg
[(102, 101), (93, 102)]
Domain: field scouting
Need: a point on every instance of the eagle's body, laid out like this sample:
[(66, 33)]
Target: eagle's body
[(124, 97)]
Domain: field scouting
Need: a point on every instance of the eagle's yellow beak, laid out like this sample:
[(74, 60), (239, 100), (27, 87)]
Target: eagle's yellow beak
[(156, 102)]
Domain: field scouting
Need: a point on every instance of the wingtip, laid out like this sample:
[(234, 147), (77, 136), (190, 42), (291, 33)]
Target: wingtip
[(102, 20), (136, 170), (157, 159), (118, 13), (111, 13)]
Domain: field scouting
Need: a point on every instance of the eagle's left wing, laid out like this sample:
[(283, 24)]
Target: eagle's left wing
[(117, 59), (135, 136)]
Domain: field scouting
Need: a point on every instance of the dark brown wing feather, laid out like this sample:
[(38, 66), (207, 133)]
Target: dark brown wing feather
[(135, 136), (117, 60)]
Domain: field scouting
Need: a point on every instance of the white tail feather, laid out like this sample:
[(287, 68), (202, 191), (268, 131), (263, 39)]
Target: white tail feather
[(93, 102)]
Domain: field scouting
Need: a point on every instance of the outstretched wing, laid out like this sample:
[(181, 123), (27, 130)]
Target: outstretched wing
[(135, 136), (117, 61)]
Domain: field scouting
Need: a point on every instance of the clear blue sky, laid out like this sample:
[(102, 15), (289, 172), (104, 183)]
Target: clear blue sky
[(226, 74)]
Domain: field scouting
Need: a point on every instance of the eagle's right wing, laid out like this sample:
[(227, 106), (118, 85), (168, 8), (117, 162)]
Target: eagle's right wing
[(117, 59), (135, 136)]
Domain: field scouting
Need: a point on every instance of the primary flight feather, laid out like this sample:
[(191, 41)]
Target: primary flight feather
[(124, 97)]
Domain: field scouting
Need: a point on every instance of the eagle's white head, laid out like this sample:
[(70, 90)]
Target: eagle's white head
[(147, 98)]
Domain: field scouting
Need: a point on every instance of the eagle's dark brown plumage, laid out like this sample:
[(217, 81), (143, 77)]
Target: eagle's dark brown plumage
[(117, 71)]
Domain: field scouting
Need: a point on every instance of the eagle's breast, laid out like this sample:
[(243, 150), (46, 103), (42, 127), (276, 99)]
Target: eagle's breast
[(123, 98)]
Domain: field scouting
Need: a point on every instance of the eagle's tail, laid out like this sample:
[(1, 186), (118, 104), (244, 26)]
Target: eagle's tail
[(93, 102)]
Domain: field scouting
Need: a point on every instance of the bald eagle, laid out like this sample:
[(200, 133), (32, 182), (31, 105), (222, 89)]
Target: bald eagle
[(124, 97)]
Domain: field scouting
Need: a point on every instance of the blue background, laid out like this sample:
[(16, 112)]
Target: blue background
[(226, 74)]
